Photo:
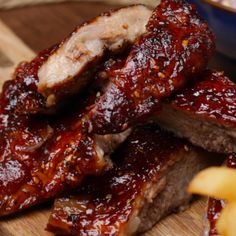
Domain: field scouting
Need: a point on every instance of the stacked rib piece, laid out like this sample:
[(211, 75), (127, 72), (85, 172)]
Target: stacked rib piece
[(109, 84)]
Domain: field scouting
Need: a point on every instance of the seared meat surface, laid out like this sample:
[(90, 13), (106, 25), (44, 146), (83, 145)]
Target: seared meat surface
[(177, 44), (21, 135), (204, 113), (152, 170), (20, 95)]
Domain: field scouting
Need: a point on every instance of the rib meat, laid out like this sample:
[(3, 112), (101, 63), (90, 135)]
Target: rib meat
[(177, 44), (152, 170), (21, 138), (41, 158), (71, 65), (61, 164), (20, 95), (67, 69), (204, 113)]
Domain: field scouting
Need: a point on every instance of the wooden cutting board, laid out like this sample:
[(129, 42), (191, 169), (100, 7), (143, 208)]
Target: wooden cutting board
[(33, 222)]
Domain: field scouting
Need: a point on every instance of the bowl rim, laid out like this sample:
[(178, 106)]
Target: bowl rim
[(220, 6)]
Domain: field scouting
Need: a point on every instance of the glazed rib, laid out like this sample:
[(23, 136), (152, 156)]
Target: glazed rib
[(21, 138), (72, 64), (204, 113), (39, 160), (20, 95), (177, 44), (59, 163), (152, 170), (66, 70)]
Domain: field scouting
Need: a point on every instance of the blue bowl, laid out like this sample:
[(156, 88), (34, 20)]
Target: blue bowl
[(222, 20)]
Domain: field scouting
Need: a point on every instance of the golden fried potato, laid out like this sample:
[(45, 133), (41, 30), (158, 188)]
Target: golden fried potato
[(217, 182), (226, 224)]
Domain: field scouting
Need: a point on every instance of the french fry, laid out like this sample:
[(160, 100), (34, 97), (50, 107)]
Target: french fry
[(220, 183), (226, 224), (216, 182)]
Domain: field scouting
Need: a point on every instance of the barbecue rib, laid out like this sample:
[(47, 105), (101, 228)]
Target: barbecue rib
[(204, 113), (68, 68), (41, 159), (152, 170), (176, 45), (72, 64), (21, 138), (19, 95)]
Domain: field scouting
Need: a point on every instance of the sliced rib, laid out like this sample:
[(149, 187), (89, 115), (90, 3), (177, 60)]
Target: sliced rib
[(151, 173), (70, 67), (204, 113), (176, 45)]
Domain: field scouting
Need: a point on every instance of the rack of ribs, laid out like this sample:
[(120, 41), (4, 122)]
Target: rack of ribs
[(70, 150), (47, 155), (214, 92), (148, 181)]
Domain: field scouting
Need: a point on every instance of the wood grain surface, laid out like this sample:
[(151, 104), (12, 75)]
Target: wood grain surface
[(40, 27), (12, 51)]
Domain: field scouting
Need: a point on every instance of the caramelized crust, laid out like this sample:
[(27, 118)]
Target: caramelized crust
[(113, 203), (21, 136), (20, 95), (33, 170), (177, 45), (213, 97), (20, 141), (46, 165), (42, 156)]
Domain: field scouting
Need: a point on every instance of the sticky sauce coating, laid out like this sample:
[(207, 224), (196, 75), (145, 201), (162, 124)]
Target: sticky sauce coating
[(20, 94), (40, 159), (177, 45), (213, 98), (43, 155), (21, 135), (105, 204)]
